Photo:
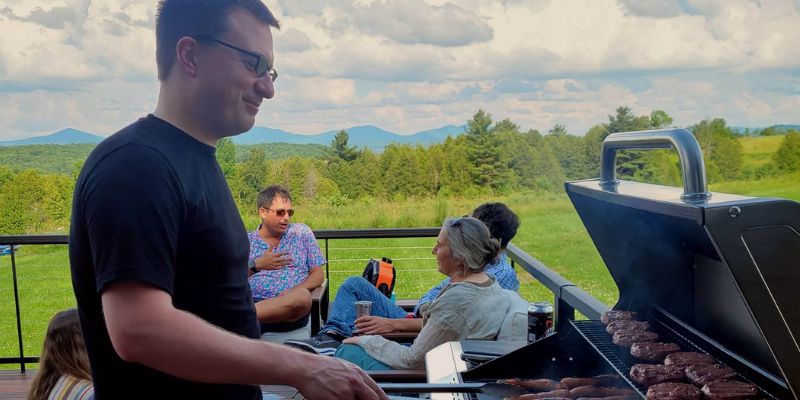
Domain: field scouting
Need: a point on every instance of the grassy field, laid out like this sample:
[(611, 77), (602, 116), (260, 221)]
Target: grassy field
[(551, 231), (758, 150)]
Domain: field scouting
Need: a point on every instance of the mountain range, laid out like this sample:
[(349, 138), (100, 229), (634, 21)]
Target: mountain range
[(359, 136)]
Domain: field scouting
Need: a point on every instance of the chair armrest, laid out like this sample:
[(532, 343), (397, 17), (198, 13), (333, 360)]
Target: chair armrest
[(319, 307), (399, 375), (407, 304), (402, 337)]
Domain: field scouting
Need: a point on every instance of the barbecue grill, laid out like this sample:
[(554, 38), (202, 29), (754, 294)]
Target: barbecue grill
[(711, 272)]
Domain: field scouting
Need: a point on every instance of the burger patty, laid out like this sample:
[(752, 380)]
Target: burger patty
[(628, 338), (652, 374), (673, 391), (705, 373), (615, 315), (653, 351), (627, 325), (729, 389), (688, 358)]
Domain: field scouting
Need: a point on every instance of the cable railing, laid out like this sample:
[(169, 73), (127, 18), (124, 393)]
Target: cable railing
[(567, 297)]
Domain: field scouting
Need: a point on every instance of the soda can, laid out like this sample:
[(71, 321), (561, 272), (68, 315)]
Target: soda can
[(540, 320), (363, 308)]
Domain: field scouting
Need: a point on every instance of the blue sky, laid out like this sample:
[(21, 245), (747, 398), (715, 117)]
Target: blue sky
[(411, 65)]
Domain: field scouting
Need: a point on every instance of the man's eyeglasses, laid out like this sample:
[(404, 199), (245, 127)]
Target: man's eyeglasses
[(281, 212), (260, 66)]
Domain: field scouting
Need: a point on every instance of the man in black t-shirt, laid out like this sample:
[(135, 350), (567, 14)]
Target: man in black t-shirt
[(158, 250)]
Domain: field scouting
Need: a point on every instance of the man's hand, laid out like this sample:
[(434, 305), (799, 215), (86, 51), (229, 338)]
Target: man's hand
[(272, 260), (370, 325), (332, 378)]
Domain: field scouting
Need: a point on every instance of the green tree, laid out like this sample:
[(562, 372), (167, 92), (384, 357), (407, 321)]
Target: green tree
[(340, 148), (660, 119), (721, 149), (558, 130), (482, 152), (569, 152), (771, 131), (226, 156), (787, 158)]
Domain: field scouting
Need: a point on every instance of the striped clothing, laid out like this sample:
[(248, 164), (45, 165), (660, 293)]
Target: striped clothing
[(69, 387)]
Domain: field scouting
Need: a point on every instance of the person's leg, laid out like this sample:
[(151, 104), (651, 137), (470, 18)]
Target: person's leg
[(289, 306), (356, 355), (342, 316)]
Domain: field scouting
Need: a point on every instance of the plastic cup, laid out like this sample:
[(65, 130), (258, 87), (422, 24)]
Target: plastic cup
[(363, 308)]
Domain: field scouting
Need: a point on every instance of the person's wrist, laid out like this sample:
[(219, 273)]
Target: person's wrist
[(252, 266)]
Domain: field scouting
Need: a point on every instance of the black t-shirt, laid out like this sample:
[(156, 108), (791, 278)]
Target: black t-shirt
[(152, 205)]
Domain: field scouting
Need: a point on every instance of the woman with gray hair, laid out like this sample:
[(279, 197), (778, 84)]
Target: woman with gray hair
[(470, 307)]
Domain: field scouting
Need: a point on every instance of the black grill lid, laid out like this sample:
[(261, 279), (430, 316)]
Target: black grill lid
[(726, 265)]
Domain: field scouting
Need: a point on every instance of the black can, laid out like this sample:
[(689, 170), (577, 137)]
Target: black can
[(540, 320)]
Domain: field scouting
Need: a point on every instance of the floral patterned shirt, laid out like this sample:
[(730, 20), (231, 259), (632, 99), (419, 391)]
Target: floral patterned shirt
[(300, 243)]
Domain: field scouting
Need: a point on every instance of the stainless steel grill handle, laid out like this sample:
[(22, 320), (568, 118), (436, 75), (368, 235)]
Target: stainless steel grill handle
[(691, 156)]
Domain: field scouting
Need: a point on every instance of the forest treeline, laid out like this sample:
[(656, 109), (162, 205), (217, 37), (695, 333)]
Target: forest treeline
[(490, 157)]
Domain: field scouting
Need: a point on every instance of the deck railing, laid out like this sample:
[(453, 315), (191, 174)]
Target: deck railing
[(568, 298)]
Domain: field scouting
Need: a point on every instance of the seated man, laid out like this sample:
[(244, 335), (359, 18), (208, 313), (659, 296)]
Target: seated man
[(285, 264), (388, 317)]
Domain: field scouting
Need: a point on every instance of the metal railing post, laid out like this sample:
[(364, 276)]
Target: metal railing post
[(16, 307)]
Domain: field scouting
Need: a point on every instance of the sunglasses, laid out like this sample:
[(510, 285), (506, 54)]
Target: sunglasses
[(281, 212)]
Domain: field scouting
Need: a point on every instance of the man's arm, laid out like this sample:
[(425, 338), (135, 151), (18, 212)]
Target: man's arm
[(146, 328), (315, 278), (371, 325)]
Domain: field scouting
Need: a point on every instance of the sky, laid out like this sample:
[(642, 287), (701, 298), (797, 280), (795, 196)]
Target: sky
[(412, 65)]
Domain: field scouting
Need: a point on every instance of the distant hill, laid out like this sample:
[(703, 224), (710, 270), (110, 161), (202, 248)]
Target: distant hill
[(360, 136), (64, 136), (780, 129)]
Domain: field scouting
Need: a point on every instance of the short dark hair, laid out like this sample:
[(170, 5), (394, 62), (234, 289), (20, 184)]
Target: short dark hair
[(176, 19), (267, 195), (501, 221)]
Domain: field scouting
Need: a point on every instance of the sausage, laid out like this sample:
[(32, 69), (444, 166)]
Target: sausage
[(555, 394), (538, 385), (572, 383), (594, 391)]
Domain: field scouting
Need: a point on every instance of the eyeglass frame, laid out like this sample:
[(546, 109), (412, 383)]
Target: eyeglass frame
[(269, 70), (281, 211)]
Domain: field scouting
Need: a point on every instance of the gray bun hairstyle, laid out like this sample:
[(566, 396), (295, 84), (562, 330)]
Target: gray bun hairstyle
[(471, 243)]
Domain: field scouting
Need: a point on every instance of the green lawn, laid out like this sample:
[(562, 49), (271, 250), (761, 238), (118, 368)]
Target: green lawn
[(551, 231)]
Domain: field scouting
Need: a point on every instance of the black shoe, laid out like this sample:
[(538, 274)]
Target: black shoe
[(324, 344)]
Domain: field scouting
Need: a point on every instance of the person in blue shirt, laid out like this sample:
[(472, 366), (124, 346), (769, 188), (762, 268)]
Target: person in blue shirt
[(388, 317)]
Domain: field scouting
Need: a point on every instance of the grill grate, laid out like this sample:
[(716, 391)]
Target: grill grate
[(621, 359)]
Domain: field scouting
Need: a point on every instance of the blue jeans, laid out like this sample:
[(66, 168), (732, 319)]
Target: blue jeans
[(342, 317), (358, 356)]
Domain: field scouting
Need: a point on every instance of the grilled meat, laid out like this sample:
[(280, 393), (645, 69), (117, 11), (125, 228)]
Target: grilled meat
[(595, 391), (704, 373), (650, 374), (729, 390), (537, 385), (615, 315), (599, 380), (627, 325), (655, 351), (555, 394), (688, 358), (673, 391), (627, 339)]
